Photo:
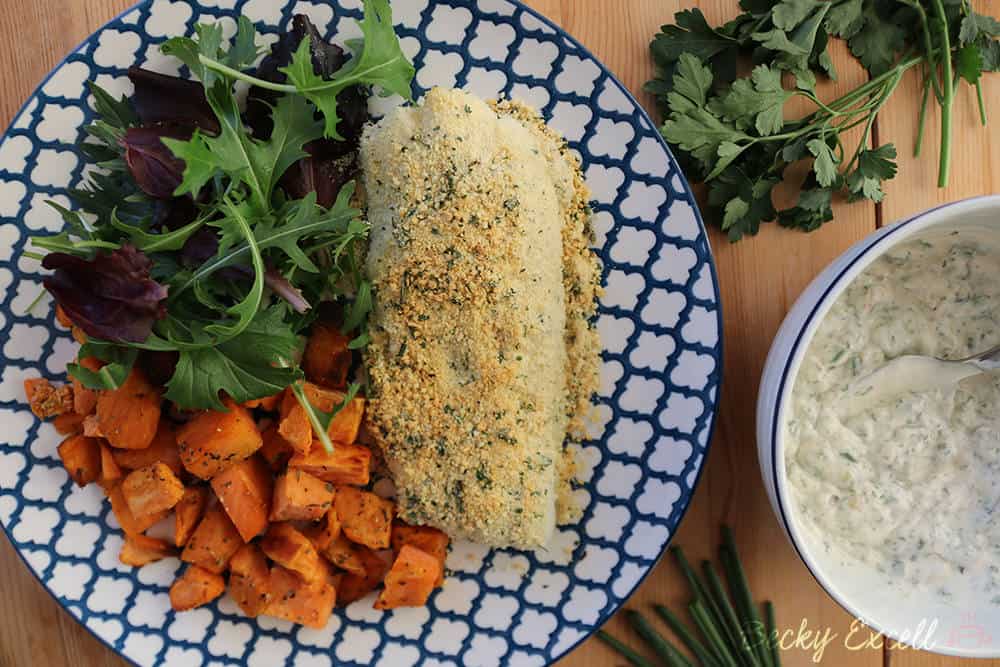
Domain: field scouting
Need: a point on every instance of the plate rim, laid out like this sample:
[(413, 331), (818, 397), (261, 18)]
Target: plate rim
[(719, 372)]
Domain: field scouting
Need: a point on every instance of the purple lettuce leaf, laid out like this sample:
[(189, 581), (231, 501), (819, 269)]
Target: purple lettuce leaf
[(160, 98), (156, 170), (110, 297), (352, 103)]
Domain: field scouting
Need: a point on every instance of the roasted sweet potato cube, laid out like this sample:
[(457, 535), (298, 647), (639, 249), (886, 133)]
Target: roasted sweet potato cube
[(110, 471), (81, 457), (411, 579), (92, 427), (196, 587), (356, 586), (294, 600), (69, 423), (327, 360), (364, 517), (151, 490), (130, 415), (213, 441), (214, 541), (131, 524), (276, 451), (84, 399), (289, 548), (296, 429), (325, 531), (268, 403), (300, 496), (427, 539), (245, 490), (348, 464), (188, 513), (346, 555), (294, 426), (139, 550), (249, 580), (163, 449), (62, 318), (47, 400)]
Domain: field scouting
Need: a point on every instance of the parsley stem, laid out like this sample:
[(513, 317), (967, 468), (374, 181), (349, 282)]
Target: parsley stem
[(982, 106), (922, 118), (948, 84)]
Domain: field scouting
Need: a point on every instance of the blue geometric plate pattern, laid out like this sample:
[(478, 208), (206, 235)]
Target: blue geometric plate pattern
[(659, 322)]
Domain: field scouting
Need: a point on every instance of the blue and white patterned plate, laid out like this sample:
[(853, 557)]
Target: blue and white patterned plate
[(659, 322)]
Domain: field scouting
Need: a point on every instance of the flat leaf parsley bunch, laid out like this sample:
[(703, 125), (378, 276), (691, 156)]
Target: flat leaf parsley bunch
[(731, 131)]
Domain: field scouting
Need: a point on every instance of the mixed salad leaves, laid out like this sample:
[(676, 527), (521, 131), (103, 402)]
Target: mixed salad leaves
[(212, 233)]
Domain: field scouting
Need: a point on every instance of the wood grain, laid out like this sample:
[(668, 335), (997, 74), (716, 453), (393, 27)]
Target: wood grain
[(760, 279)]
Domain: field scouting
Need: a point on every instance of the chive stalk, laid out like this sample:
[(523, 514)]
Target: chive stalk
[(670, 655), (634, 658), (696, 647)]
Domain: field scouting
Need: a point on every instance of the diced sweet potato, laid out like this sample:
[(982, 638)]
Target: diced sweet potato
[(68, 423), (249, 580), (92, 427), (188, 513), (139, 550), (131, 524), (151, 490), (364, 517), (356, 586), (289, 548), (327, 360), (324, 532), (427, 539), (299, 602), (129, 416), (346, 555), (82, 458), (196, 587), (213, 441), (300, 496), (163, 449), (245, 490), (269, 403), (296, 429), (411, 579), (62, 318), (294, 425), (110, 471), (84, 399), (47, 400), (276, 451), (214, 541), (348, 464)]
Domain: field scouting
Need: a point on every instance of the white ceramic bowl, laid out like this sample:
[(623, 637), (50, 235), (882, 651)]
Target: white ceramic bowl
[(969, 628)]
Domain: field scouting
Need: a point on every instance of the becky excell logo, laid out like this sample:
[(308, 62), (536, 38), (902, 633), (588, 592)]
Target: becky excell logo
[(927, 635)]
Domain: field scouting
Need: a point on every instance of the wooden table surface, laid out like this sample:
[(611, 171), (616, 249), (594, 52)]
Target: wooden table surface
[(760, 280)]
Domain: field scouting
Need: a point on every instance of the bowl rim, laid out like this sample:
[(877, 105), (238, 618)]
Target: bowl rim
[(862, 255)]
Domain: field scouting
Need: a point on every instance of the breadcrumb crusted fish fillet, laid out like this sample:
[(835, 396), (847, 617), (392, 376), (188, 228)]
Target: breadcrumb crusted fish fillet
[(483, 284)]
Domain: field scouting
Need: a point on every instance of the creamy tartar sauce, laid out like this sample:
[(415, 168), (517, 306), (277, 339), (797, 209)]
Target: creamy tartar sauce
[(909, 485)]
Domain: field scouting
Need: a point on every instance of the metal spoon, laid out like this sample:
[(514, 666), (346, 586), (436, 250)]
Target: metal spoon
[(914, 373)]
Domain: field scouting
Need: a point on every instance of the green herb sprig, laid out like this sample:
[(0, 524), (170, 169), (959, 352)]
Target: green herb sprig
[(729, 629), (731, 131)]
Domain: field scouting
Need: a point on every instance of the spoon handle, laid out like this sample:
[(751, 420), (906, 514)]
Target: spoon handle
[(988, 361)]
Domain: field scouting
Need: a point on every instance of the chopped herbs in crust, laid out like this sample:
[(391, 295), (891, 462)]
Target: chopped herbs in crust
[(482, 351)]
